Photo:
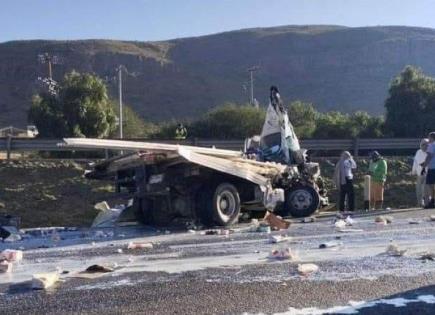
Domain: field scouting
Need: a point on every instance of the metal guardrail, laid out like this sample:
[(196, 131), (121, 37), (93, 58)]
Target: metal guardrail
[(9, 145)]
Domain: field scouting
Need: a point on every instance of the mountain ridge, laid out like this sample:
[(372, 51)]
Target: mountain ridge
[(335, 67)]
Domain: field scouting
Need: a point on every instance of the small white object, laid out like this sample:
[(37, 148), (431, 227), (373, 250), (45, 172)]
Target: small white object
[(119, 251), (307, 269), (340, 224), (102, 206), (11, 255), (133, 245), (43, 281), (278, 238)]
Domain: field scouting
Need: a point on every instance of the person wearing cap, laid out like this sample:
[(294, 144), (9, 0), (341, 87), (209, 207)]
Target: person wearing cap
[(420, 173), (378, 173), (343, 178), (430, 176)]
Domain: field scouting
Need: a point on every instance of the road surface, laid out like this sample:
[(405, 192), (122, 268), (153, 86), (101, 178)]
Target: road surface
[(192, 273)]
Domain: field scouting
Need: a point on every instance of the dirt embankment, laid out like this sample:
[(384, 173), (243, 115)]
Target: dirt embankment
[(399, 188), (50, 193)]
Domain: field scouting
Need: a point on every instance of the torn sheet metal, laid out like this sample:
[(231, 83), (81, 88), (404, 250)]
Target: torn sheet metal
[(87, 143)]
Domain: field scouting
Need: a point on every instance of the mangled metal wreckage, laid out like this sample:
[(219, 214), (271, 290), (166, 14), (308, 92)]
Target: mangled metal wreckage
[(213, 185)]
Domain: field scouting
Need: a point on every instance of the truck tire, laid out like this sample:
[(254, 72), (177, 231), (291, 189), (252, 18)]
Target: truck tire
[(219, 205), (300, 201)]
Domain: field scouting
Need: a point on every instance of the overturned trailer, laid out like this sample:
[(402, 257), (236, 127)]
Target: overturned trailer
[(212, 185)]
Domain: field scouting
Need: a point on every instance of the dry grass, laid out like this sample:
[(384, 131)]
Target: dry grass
[(50, 193)]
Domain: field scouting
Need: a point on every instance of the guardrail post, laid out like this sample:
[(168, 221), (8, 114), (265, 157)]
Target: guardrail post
[(355, 147), (8, 147), (106, 153)]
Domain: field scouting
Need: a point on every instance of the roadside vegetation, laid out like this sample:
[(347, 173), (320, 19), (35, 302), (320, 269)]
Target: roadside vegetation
[(81, 107)]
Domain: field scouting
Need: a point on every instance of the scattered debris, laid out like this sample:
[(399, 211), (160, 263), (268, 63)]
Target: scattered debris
[(427, 256), (307, 269), (283, 253), (414, 222), (264, 228), (11, 255), (278, 238), (107, 216), (432, 217), (339, 224), (134, 245), (211, 232), (308, 220), (276, 222), (384, 219), (5, 266), (42, 281), (331, 244), (119, 251), (393, 250), (98, 269), (9, 234)]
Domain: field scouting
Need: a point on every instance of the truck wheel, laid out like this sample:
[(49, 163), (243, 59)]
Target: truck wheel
[(220, 205), (301, 201)]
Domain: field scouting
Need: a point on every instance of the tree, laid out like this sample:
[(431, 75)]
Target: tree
[(81, 108), (304, 118), (230, 121), (133, 125), (410, 105)]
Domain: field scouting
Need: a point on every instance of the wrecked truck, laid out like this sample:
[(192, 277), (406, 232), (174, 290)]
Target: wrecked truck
[(213, 186)]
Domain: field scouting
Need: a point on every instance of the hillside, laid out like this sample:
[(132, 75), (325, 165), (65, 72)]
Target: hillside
[(335, 67)]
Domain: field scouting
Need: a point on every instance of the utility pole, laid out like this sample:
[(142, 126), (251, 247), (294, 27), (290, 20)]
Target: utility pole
[(119, 69), (251, 73), (50, 60)]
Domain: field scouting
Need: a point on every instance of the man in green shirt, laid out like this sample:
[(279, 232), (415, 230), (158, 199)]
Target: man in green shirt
[(378, 173)]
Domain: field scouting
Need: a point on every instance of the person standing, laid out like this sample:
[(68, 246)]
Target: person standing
[(180, 132), (343, 178), (430, 176), (378, 173), (420, 173)]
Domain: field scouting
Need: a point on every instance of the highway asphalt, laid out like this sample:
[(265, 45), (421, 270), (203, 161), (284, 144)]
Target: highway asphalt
[(191, 273)]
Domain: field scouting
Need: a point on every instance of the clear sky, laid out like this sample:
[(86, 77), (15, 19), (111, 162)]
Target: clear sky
[(166, 19)]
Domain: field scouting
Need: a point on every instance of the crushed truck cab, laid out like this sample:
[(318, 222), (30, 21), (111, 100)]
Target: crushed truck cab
[(214, 186)]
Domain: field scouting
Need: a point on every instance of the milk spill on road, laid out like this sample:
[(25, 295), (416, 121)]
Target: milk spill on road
[(354, 306), (359, 257)]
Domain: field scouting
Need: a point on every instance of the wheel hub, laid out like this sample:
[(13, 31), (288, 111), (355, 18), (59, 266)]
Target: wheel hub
[(226, 203), (301, 199)]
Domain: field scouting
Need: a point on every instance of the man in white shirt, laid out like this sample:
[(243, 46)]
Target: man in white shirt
[(343, 178), (420, 172)]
